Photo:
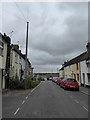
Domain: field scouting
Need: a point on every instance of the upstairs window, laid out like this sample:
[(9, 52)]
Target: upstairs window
[(77, 66), (88, 75), (1, 48)]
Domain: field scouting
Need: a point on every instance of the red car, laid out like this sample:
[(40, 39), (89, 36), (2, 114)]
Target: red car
[(58, 81), (70, 84), (62, 82)]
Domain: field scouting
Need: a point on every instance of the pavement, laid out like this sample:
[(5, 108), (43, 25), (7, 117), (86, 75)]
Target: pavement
[(85, 90), (47, 100)]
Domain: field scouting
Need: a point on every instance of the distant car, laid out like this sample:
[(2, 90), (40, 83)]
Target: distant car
[(50, 78), (70, 83), (62, 82), (42, 79), (59, 81), (54, 79), (45, 78)]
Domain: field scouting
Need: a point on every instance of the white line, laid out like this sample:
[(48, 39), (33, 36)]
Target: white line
[(35, 88), (16, 111), (26, 97), (85, 108), (76, 101), (71, 96), (23, 102)]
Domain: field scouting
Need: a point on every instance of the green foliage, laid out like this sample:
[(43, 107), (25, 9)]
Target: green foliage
[(15, 83), (31, 83), (34, 83)]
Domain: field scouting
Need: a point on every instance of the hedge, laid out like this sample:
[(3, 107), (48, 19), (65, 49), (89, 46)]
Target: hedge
[(20, 84)]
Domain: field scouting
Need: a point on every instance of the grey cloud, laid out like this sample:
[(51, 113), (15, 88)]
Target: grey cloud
[(57, 31)]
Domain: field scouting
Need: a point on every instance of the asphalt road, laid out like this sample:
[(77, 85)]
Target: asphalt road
[(46, 101)]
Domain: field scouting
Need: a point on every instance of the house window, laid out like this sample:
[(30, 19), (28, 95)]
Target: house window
[(1, 44), (74, 76), (16, 58), (83, 78), (88, 75), (77, 66), (78, 77), (1, 48), (1, 52)]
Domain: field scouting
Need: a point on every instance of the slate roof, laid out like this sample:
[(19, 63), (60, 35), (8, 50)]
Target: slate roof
[(81, 57), (6, 38)]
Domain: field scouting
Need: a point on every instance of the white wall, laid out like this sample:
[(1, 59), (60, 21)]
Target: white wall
[(4, 62), (23, 66), (0, 70), (84, 69), (16, 63), (61, 73), (68, 72)]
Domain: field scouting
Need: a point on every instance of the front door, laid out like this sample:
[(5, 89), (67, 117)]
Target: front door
[(84, 79)]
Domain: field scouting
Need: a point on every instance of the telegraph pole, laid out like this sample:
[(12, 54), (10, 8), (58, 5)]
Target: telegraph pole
[(26, 55)]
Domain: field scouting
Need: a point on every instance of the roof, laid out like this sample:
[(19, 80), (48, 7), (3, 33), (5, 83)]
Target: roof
[(81, 57), (6, 38), (19, 52), (62, 68)]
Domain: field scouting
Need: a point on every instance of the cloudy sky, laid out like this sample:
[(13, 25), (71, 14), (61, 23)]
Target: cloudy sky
[(58, 31)]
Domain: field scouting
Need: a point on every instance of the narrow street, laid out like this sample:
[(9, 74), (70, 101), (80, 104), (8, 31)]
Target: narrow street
[(47, 100)]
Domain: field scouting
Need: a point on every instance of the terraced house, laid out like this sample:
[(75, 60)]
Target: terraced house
[(4, 60), (72, 69), (17, 63), (79, 68), (85, 67)]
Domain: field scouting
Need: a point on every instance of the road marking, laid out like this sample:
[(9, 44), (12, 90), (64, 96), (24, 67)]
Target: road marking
[(85, 108), (23, 102), (16, 111), (71, 96), (76, 101), (26, 97), (35, 87), (85, 93)]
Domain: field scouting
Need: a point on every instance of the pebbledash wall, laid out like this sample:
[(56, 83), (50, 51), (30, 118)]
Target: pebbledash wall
[(85, 74), (3, 56), (0, 71)]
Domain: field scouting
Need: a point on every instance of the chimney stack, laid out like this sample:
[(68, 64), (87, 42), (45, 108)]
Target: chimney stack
[(16, 47), (88, 49)]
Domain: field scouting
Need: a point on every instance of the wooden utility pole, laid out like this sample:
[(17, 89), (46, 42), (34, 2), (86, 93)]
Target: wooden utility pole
[(26, 55)]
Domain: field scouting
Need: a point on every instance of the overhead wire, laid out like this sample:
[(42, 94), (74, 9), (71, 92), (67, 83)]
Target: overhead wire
[(21, 12), (28, 12), (14, 15)]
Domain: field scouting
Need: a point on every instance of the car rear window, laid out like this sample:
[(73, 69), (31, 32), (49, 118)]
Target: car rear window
[(71, 80)]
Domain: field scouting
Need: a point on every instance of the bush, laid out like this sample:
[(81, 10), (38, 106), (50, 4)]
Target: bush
[(32, 83), (15, 83)]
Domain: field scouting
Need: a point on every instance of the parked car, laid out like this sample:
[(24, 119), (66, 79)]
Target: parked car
[(50, 78), (59, 80), (42, 79), (54, 79), (70, 83), (62, 82)]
